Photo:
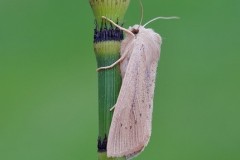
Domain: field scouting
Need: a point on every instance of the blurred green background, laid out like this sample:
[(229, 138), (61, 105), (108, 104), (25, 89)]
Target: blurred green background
[(48, 82)]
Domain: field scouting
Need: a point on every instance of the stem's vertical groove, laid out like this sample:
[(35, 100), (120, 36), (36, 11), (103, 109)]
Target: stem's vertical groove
[(107, 39)]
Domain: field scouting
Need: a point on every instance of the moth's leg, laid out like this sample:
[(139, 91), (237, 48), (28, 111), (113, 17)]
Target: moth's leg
[(112, 65), (124, 55), (112, 108), (121, 28)]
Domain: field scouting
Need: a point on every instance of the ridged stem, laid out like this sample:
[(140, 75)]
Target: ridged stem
[(107, 40), (109, 82)]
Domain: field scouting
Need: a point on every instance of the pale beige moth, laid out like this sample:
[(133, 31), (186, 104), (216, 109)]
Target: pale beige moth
[(131, 124)]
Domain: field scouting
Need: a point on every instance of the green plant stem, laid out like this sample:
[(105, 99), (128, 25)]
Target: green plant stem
[(109, 82), (107, 52)]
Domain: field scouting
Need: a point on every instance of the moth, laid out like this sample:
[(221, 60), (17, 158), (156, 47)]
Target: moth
[(131, 124)]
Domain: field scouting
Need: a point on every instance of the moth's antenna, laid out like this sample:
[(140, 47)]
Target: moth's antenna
[(141, 5), (154, 19), (121, 28)]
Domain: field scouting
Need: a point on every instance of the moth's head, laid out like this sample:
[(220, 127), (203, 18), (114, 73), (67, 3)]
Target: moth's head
[(135, 29)]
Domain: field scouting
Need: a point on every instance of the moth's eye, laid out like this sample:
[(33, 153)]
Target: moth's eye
[(135, 31)]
